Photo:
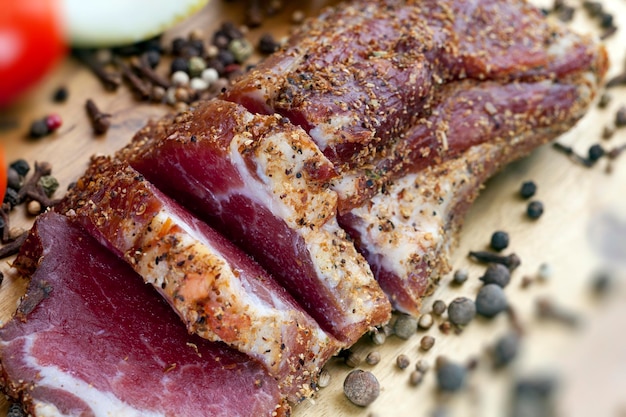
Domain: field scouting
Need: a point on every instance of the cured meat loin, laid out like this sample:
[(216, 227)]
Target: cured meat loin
[(90, 339), (408, 231), (263, 183), (405, 231), (218, 291), (364, 74)]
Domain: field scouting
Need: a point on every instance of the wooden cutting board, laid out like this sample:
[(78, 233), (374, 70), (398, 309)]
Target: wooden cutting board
[(582, 232)]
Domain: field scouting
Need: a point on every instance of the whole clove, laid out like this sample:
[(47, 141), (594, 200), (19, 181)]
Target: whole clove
[(100, 122), (511, 261), (110, 80), (141, 88), (547, 309)]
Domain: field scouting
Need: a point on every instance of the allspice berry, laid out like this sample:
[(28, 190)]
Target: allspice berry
[(361, 387)]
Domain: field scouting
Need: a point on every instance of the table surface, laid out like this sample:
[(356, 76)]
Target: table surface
[(582, 232)]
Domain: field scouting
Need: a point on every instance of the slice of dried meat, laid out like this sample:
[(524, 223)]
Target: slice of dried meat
[(263, 183), (367, 90), (90, 339), (218, 291)]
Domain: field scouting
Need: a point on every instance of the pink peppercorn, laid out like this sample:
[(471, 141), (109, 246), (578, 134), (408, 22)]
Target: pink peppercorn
[(53, 121)]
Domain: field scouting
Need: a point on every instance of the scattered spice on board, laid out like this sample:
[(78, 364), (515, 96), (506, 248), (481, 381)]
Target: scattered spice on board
[(100, 121), (450, 375), (528, 189), (361, 387), (497, 274), (491, 301), (439, 307), (405, 326), (373, 358), (403, 361), (460, 276), (427, 342), (505, 349), (511, 261), (547, 309), (461, 311), (499, 240)]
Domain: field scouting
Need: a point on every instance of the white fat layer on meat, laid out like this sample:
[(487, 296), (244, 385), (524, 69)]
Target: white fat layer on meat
[(264, 339), (102, 403), (346, 185), (324, 134), (407, 221), (337, 263)]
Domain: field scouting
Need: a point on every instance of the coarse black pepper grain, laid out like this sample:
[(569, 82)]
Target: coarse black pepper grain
[(14, 180), (528, 189), (38, 129), (506, 349), (60, 95), (497, 274), (267, 44), (450, 375), (499, 240), (21, 166), (534, 210), (179, 64), (491, 301), (595, 152), (461, 311), (361, 387), (152, 58)]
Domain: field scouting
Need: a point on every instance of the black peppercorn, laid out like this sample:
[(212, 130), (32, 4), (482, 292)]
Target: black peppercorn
[(450, 376), (606, 20), (497, 274), (179, 64), (461, 311), (226, 57), (534, 209), (529, 188), (152, 58), (177, 45), (505, 349), (11, 198), (596, 152), (491, 300), (60, 95), (21, 166), (38, 129), (267, 44), (499, 240), (14, 180)]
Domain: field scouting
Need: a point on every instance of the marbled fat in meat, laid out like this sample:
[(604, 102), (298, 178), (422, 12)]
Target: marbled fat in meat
[(91, 339), (218, 291), (263, 183)]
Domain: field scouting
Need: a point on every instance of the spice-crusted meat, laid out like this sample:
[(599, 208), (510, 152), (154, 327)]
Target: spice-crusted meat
[(263, 183), (364, 75), (91, 339), (218, 291)]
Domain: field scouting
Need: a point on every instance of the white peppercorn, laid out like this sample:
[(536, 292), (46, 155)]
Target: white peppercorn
[(210, 75), (426, 321), (198, 84), (180, 79)]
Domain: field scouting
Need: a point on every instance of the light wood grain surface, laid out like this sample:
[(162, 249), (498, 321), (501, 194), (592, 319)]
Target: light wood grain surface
[(582, 232)]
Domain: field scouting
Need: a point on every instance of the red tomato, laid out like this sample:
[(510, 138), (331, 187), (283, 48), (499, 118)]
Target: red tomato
[(3, 175), (31, 41)]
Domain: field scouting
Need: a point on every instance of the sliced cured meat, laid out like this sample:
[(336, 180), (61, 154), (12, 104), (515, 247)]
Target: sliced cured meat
[(90, 339), (263, 183), (407, 232), (364, 75), (467, 114), (218, 291)]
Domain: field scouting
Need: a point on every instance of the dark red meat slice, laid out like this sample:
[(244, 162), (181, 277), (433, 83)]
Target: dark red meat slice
[(91, 339), (264, 184), (365, 74), (218, 291)]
